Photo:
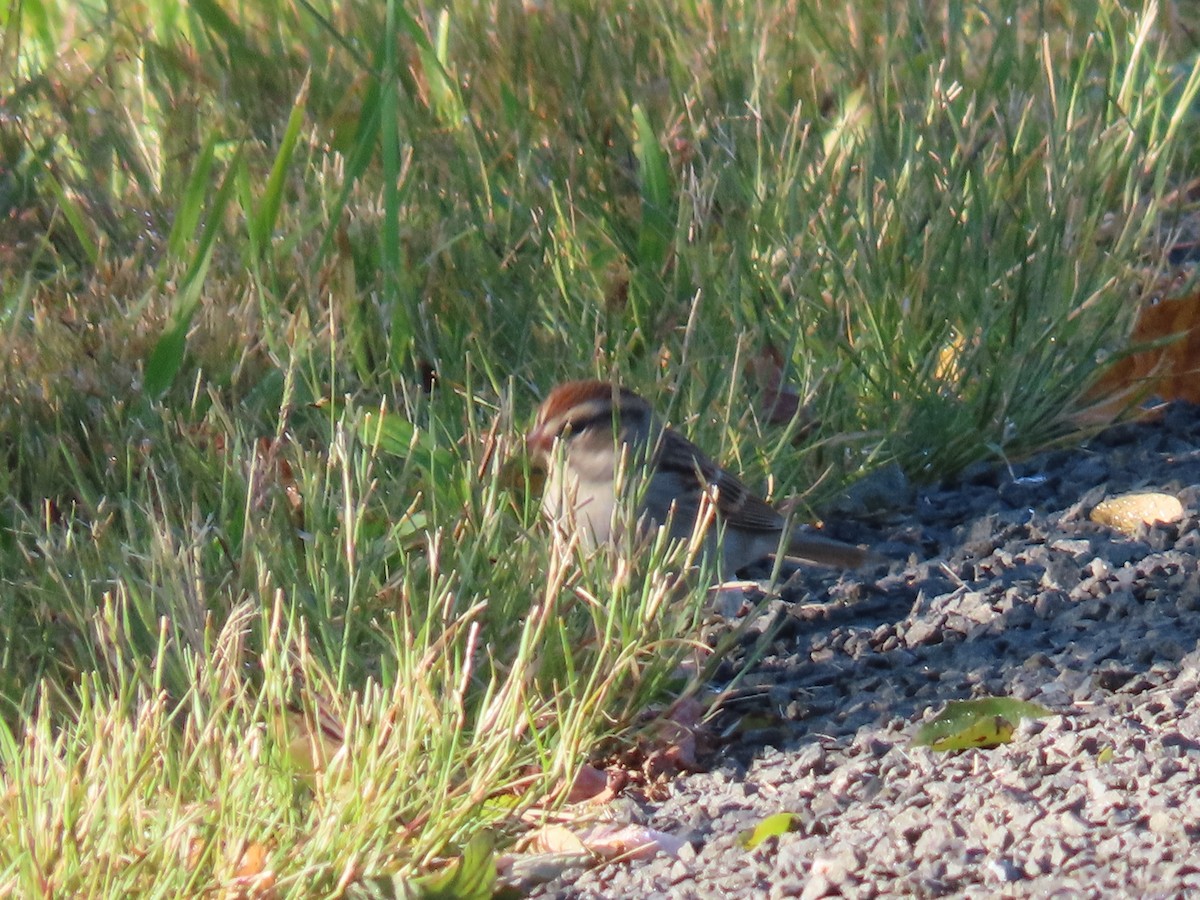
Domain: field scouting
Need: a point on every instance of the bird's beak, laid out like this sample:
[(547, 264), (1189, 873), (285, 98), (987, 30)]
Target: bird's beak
[(538, 443)]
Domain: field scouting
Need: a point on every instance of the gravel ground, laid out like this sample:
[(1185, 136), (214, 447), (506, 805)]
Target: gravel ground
[(1007, 589)]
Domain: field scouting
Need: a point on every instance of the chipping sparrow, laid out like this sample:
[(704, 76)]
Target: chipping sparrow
[(606, 432)]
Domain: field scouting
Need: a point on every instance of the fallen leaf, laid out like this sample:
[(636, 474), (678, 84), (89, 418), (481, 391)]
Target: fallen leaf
[(253, 861), (1163, 359), (1176, 321), (676, 737), (553, 839), (610, 842), (194, 852), (778, 402), (771, 826), (252, 880), (589, 784), (988, 722)]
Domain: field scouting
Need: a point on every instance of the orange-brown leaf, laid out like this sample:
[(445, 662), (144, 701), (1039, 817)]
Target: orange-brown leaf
[(1169, 365)]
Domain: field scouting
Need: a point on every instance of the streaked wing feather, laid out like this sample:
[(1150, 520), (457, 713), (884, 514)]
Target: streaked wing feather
[(736, 503), (742, 507)]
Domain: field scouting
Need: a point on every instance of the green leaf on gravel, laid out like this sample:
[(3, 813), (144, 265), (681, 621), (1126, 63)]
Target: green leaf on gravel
[(771, 826), (964, 724)]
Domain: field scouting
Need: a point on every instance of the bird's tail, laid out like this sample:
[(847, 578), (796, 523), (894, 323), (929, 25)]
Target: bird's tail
[(825, 551)]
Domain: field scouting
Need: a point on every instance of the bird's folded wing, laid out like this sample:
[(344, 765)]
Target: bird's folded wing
[(737, 505)]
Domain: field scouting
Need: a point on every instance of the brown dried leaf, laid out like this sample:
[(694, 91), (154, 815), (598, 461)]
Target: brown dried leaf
[(270, 469), (778, 402), (1168, 367), (590, 783), (676, 735), (624, 842), (554, 839), (252, 880)]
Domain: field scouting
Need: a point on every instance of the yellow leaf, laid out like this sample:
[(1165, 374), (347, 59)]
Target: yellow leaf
[(771, 826), (964, 724)]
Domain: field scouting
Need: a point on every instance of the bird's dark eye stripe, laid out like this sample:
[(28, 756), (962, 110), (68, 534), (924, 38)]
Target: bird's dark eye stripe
[(583, 423)]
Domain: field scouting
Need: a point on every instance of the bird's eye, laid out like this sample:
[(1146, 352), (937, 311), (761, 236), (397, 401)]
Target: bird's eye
[(584, 423)]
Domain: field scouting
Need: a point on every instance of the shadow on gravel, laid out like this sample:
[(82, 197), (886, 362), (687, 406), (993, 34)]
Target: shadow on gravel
[(1008, 590)]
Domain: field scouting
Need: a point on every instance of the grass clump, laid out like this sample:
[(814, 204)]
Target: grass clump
[(281, 283)]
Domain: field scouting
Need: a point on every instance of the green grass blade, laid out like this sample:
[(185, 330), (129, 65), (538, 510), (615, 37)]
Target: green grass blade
[(654, 175), (262, 222), (191, 206), (217, 20), (166, 359), (392, 251), (75, 217)]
